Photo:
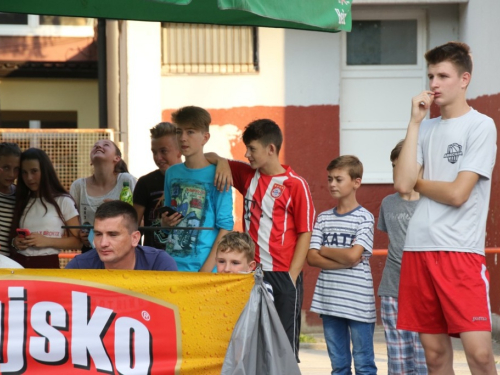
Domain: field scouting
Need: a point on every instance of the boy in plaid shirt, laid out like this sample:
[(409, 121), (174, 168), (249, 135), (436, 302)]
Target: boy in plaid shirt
[(405, 354)]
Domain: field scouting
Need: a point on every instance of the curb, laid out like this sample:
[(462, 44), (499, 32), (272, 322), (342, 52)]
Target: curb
[(495, 327), (318, 344), (312, 345)]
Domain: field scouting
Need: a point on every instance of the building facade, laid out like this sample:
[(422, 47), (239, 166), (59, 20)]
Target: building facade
[(332, 94), (48, 72)]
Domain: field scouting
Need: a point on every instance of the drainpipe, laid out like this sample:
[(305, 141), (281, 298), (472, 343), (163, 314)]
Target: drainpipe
[(113, 76), (101, 73)]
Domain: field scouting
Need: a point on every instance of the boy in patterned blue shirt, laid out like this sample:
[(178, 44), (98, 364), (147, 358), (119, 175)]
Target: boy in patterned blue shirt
[(190, 191), (341, 243)]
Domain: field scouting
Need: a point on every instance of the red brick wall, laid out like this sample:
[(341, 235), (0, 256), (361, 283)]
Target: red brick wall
[(490, 106)]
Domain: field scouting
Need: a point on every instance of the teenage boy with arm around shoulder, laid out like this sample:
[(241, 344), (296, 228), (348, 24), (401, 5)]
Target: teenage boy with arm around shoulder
[(405, 354), (449, 160), (189, 189), (341, 245), (278, 215)]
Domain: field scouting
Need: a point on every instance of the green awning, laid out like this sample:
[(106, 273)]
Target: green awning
[(321, 15)]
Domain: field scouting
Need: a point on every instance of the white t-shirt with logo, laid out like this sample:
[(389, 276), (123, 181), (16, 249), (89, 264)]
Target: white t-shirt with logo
[(445, 148), (47, 223)]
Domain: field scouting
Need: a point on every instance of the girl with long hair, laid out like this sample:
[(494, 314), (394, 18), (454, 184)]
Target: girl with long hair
[(105, 184), (43, 206)]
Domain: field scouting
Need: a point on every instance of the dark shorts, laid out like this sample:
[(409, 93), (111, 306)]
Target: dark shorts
[(288, 302)]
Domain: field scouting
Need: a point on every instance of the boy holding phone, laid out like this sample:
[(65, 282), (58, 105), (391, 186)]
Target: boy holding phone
[(169, 210), (190, 191), (148, 193)]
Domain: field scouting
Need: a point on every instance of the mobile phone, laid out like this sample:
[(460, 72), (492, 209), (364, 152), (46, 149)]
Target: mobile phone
[(22, 233), (86, 230), (167, 209)]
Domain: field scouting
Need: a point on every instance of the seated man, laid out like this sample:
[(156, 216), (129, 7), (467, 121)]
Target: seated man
[(116, 241)]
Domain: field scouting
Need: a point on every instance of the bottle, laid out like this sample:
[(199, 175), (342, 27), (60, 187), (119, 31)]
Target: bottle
[(126, 193)]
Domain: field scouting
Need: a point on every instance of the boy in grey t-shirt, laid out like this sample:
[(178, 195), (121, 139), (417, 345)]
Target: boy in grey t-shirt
[(405, 354)]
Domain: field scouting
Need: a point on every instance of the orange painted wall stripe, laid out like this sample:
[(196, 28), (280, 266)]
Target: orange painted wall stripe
[(377, 252), (489, 250)]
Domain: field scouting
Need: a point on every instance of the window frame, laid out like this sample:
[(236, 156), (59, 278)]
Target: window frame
[(417, 70), (34, 28), (388, 15)]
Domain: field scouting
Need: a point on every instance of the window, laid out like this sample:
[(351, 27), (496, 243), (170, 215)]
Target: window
[(208, 49), (382, 69), (382, 42), (13, 24), (13, 19)]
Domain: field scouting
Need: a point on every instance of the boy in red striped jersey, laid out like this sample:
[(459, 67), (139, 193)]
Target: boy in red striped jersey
[(278, 216)]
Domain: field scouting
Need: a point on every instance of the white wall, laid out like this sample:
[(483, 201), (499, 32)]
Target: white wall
[(480, 28), (443, 24), (227, 91), (140, 93), (312, 68)]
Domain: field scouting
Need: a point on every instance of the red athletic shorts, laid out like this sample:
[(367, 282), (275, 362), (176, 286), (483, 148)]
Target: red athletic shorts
[(443, 292)]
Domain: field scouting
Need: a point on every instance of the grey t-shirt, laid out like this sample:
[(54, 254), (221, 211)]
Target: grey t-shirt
[(395, 214), (87, 204)]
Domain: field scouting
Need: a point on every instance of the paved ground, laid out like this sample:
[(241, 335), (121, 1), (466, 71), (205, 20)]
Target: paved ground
[(315, 360)]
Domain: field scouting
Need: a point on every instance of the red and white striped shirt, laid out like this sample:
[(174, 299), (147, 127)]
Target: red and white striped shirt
[(276, 209)]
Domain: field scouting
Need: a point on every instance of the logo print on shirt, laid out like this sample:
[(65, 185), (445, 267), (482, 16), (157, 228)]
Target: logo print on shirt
[(249, 205), (454, 151), (277, 190), (338, 239)]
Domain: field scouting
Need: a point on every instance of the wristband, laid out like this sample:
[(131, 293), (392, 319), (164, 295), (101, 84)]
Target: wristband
[(13, 245)]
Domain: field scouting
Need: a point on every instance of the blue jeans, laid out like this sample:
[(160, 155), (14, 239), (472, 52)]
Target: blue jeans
[(338, 335)]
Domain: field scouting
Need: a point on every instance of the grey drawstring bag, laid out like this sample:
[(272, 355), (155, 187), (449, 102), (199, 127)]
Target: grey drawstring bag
[(259, 345)]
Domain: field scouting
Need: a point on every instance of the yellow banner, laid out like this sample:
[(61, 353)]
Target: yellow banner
[(118, 322)]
